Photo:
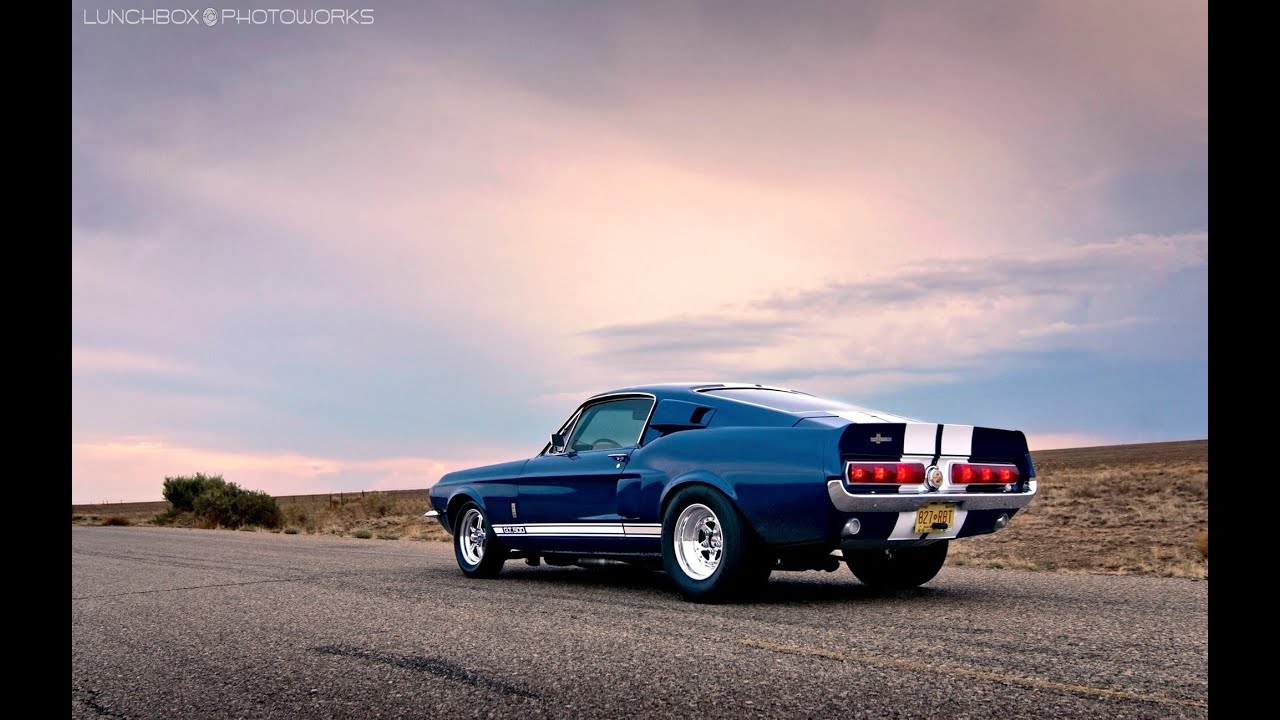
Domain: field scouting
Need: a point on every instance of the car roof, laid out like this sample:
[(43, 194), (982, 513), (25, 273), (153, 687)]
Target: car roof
[(686, 388)]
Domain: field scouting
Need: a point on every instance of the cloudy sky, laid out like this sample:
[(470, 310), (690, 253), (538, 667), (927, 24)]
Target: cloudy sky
[(346, 257)]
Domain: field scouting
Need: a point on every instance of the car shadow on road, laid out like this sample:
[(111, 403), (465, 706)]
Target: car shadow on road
[(784, 588)]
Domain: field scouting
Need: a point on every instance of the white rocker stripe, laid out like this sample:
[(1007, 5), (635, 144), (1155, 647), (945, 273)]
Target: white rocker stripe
[(654, 530), (581, 529)]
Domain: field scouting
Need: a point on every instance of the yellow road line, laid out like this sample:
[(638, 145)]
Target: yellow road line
[(1026, 680)]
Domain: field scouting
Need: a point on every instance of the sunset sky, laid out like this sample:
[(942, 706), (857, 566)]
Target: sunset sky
[(356, 257)]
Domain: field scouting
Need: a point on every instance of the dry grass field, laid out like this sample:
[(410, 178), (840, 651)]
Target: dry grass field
[(393, 514), (1131, 509)]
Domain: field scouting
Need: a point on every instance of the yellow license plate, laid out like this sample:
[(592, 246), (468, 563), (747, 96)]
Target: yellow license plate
[(935, 517)]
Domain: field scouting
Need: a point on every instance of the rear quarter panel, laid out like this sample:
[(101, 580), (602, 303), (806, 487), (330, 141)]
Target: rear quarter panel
[(775, 475)]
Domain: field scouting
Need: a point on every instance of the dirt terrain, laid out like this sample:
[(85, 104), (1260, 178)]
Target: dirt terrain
[(1128, 509)]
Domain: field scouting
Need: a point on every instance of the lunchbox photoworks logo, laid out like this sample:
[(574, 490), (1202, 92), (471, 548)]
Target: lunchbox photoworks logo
[(214, 17)]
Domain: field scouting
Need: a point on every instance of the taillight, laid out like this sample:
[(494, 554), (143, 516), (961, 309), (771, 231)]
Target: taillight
[(983, 474), (899, 473)]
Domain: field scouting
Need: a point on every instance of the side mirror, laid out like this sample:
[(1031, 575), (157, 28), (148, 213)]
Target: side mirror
[(557, 442)]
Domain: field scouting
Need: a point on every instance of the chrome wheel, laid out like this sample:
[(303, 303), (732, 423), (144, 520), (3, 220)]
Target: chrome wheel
[(471, 536), (699, 541)]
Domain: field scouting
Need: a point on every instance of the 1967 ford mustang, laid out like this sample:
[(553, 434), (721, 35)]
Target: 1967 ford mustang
[(723, 484)]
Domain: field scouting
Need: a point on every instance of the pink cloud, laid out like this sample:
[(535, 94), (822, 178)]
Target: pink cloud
[(102, 361), (133, 469), (1051, 441)]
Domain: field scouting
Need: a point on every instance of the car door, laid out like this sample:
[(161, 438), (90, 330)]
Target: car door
[(572, 491)]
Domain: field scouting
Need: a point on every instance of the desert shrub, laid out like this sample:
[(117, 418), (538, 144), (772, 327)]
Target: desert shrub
[(182, 491), (166, 517), (291, 530), (300, 518), (217, 502), (75, 517), (1202, 543), (388, 536), (248, 528), (256, 508), (377, 504), (214, 503), (362, 534), (117, 520)]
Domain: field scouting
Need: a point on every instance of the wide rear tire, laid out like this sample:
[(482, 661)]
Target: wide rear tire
[(707, 548), (479, 552), (898, 569)]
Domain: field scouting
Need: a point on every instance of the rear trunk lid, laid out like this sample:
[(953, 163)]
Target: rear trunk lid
[(929, 442)]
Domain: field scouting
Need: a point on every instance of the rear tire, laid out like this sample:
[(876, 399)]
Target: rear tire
[(707, 549), (898, 569), (476, 547), (762, 564)]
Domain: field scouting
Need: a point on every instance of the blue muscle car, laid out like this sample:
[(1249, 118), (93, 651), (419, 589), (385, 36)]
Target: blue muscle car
[(723, 484)]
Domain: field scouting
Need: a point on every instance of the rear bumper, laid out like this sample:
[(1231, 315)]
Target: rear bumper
[(845, 501)]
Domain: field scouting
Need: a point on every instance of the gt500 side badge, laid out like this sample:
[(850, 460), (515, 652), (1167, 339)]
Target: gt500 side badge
[(509, 529)]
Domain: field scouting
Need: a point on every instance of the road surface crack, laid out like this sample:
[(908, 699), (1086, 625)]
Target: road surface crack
[(90, 700), (435, 666), (1030, 681), (189, 587)]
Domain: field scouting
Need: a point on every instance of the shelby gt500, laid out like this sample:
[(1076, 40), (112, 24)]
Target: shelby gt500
[(723, 484)]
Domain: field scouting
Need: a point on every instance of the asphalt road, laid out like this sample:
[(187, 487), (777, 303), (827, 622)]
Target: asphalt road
[(176, 624)]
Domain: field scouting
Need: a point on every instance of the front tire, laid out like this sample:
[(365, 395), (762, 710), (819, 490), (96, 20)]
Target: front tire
[(476, 547), (707, 549), (898, 569)]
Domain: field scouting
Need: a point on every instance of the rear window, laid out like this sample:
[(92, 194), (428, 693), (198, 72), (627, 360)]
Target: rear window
[(781, 399), (798, 402)]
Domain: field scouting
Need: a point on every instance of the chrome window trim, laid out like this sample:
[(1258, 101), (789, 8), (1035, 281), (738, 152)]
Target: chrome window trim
[(576, 417)]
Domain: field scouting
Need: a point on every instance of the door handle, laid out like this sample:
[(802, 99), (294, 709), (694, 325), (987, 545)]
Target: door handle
[(619, 458)]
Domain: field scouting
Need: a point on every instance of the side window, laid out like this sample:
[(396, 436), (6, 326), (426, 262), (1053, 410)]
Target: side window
[(612, 424)]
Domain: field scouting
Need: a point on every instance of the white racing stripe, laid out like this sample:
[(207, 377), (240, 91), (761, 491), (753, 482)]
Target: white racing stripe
[(581, 529), (921, 439), (957, 440)]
